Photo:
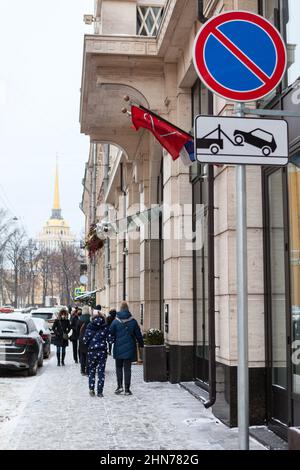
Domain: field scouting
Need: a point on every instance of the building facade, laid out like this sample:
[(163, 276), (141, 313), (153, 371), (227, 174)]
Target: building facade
[(177, 267)]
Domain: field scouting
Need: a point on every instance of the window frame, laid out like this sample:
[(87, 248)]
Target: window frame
[(141, 19)]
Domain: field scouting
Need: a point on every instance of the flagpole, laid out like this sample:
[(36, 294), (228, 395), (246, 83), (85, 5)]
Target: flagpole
[(132, 103), (125, 111)]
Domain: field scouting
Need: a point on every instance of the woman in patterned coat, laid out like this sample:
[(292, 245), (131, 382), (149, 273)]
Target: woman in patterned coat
[(95, 338)]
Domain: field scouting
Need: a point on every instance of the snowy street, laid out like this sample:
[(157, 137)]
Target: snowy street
[(54, 411)]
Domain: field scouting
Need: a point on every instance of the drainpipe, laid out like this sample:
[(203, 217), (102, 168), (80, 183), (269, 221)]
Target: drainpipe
[(94, 208), (211, 290), (200, 13), (105, 181), (124, 241)]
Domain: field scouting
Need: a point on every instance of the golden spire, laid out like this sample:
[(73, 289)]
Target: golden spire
[(56, 203), (56, 210)]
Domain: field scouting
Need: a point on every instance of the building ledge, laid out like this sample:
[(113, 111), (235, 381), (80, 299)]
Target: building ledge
[(120, 45)]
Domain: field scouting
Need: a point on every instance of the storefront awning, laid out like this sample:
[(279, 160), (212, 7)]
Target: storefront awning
[(87, 295)]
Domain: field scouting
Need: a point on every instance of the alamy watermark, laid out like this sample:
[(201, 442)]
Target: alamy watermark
[(176, 222), (295, 97)]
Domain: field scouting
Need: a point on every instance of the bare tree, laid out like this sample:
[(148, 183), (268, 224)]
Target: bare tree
[(16, 256), (7, 231), (70, 269)]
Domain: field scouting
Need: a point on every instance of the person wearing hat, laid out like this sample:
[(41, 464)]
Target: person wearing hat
[(125, 332), (95, 338)]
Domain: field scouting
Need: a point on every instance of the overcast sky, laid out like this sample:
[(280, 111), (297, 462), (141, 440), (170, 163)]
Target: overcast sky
[(294, 37), (41, 45)]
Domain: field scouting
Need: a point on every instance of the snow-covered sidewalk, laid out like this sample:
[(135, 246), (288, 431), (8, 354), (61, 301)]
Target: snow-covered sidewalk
[(54, 411)]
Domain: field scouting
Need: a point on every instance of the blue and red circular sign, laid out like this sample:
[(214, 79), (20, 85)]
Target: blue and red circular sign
[(240, 56)]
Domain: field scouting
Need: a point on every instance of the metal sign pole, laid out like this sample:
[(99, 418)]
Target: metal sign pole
[(242, 300)]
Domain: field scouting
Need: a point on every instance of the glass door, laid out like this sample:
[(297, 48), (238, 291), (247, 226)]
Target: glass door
[(277, 300)]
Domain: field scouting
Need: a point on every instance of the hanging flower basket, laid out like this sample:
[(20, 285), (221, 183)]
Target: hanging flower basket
[(92, 242)]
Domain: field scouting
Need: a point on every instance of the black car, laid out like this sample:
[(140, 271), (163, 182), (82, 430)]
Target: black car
[(258, 138), (21, 346), (45, 333)]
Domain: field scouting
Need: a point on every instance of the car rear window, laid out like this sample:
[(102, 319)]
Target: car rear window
[(43, 315), (15, 327)]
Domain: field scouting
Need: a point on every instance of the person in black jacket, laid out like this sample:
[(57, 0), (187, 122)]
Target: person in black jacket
[(61, 328), (125, 332), (84, 320), (109, 319), (74, 337)]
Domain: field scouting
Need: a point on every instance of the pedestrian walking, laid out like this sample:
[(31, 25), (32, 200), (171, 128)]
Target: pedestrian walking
[(83, 322), (125, 332), (110, 318), (95, 338), (61, 328), (74, 336)]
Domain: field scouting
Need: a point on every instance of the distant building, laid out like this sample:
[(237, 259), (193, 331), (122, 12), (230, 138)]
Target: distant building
[(56, 230)]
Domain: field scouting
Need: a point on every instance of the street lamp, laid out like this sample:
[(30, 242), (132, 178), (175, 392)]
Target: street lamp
[(34, 275)]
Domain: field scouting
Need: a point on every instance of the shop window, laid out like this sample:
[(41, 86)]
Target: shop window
[(148, 20), (294, 206), (277, 280)]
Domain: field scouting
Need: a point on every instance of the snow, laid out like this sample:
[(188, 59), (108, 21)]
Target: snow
[(54, 411)]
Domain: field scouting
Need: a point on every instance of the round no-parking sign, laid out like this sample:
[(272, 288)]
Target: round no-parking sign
[(240, 56)]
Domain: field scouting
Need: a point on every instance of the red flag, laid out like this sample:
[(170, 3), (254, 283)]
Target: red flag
[(169, 136)]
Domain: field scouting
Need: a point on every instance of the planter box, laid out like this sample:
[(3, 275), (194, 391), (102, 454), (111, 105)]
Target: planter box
[(155, 363), (294, 438)]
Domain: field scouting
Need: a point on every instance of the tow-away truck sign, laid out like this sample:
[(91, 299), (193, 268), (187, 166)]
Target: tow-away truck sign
[(241, 141)]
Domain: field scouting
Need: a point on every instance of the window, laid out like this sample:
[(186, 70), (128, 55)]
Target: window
[(200, 105), (277, 279), (270, 9), (148, 20), (14, 327), (294, 203)]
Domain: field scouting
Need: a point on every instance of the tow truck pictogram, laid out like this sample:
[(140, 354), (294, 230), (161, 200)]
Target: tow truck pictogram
[(215, 144)]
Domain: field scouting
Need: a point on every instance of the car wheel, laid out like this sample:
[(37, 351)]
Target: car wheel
[(239, 139), (33, 369), (41, 361), (214, 149), (266, 151), (47, 355)]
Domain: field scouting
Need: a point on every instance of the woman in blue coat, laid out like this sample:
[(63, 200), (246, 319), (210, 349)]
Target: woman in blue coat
[(125, 332)]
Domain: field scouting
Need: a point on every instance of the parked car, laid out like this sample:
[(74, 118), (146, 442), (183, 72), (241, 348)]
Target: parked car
[(45, 333), (6, 309), (49, 314), (21, 346)]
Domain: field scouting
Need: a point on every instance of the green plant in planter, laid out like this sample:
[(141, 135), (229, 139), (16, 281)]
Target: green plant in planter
[(154, 337)]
